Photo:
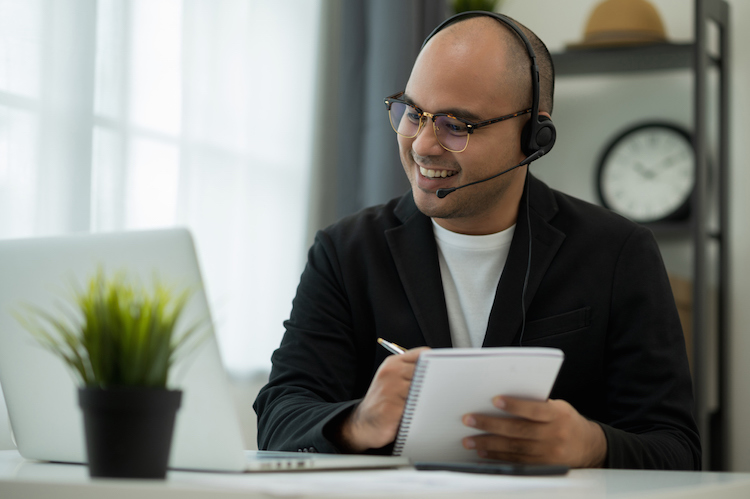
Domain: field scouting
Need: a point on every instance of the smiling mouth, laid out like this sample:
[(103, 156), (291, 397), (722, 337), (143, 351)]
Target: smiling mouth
[(436, 173)]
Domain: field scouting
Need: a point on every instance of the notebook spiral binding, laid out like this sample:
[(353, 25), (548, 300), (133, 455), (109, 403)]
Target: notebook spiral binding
[(411, 402)]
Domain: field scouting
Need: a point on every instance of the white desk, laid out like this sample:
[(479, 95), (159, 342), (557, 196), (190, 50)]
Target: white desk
[(25, 479)]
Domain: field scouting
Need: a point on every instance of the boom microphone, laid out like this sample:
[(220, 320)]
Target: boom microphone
[(441, 193)]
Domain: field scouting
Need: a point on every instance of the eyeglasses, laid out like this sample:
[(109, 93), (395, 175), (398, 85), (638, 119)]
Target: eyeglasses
[(451, 131)]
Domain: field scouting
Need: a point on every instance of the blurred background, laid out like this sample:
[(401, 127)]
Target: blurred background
[(255, 123)]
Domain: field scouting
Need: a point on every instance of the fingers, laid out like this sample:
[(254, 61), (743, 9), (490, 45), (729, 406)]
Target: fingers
[(533, 410), (400, 366), (508, 438), (510, 448), (538, 432), (504, 426), (412, 355), (529, 422), (511, 439)]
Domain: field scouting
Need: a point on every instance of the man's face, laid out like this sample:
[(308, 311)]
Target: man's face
[(463, 75)]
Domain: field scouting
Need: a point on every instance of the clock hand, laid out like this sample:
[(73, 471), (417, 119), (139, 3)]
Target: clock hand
[(667, 162), (640, 168), (670, 159), (644, 172)]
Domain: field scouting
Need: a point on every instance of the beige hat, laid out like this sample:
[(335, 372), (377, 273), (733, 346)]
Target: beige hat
[(616, 23)]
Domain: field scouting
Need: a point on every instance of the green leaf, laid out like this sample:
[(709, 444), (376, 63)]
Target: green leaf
[(114, 332)]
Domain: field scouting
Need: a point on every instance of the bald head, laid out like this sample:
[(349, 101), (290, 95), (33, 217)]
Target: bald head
[(510, 53)]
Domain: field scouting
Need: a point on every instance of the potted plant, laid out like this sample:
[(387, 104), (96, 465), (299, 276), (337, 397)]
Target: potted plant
[(120, 340)]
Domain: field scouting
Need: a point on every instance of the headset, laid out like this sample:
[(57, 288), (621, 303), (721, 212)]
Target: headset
[(539, 134)]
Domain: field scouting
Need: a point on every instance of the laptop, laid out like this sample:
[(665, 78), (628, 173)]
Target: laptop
[(41, 393)]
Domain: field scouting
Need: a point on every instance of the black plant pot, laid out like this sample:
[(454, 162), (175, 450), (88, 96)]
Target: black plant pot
[(128, 430)]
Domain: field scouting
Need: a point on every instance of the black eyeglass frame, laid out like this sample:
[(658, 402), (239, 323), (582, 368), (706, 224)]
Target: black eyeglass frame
[(470, 125)]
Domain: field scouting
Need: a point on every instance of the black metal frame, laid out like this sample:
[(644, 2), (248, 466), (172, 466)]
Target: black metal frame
[(712, 422)]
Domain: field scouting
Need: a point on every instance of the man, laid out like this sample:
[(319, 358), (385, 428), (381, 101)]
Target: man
[(433, 271)]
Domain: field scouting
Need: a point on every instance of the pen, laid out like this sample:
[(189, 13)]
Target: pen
[(391, 347)]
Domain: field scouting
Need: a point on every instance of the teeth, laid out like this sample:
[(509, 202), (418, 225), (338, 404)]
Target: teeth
[(435, 173)]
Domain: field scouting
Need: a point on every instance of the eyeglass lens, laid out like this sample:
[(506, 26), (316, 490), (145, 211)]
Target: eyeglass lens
[(451, 133)]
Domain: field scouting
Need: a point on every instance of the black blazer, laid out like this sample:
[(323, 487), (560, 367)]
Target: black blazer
[(597, 290)]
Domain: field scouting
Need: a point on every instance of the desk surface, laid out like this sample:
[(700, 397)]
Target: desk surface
[(22, 479)]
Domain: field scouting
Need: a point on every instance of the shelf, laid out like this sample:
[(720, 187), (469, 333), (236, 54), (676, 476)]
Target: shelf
[(624, 59)]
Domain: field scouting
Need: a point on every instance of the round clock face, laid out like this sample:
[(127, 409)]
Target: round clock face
[(648, 173)]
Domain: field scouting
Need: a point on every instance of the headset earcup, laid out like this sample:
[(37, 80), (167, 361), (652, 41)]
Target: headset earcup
[(542, 136), (546, 134)]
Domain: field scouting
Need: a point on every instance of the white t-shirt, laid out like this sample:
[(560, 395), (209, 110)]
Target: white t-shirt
[(470, 267)]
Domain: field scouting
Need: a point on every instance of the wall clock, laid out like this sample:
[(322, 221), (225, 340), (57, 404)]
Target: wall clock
[(647, 173)]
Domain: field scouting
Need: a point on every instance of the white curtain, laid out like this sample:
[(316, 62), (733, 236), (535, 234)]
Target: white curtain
[(120, 115)]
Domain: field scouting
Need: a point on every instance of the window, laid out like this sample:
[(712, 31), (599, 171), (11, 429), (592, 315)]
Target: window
[(145, 114)]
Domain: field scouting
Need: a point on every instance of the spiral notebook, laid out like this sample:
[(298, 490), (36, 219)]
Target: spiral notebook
[(451, 382)]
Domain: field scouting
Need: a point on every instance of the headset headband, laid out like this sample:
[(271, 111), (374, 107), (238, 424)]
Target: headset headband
[(510, 24)]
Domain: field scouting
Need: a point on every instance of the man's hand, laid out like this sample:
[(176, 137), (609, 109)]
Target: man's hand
[(550, 432), (374, 422)]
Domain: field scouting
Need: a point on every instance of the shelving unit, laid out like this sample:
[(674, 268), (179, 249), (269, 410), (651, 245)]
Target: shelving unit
[(708, 197)]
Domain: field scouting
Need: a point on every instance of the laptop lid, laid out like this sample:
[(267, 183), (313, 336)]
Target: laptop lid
[(41, 393)]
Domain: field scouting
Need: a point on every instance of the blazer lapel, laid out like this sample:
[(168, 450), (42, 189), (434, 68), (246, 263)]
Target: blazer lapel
[(414, 250), (505, 318)]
